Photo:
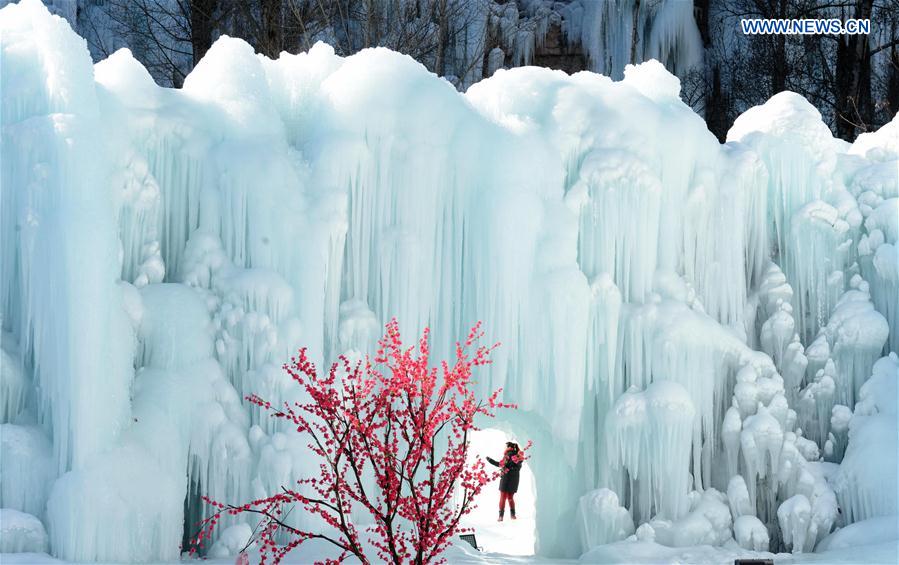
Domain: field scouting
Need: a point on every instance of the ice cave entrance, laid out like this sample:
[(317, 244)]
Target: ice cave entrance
[(511, 537)]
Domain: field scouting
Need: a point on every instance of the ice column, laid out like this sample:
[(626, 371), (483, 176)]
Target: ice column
[(60, 246), (649, 434)]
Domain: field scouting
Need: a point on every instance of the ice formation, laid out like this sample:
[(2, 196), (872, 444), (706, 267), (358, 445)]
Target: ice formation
[(864, 532), (649, 435), (21, 533), (615, 33), (751, 533), (708, 522), (866, 466), (687, 333), (602, 519)]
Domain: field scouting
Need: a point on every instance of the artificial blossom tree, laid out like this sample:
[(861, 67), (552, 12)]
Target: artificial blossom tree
[(391, 436)]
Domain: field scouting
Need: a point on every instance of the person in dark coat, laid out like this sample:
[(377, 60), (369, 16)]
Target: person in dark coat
[(508, 483)]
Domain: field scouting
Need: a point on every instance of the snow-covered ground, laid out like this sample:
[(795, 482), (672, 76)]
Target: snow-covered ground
[(700, 338), (648, 553)]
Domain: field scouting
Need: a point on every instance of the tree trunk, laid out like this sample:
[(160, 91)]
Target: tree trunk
[(701, 15), (371, 24), (442, 37), (716, 107), (270, 44), (779, 73), (634, 34), (862, 75), (855, 105), (892, 94), (201, 13)]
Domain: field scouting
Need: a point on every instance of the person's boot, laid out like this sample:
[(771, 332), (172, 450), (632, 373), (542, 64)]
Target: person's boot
[(512, 513), (500, 519)]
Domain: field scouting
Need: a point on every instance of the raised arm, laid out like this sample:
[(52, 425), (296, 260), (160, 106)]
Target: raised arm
[(513, 462), (493, 461)]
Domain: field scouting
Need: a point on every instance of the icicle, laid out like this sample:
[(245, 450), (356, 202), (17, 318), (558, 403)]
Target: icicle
[(674, 39), (816, 403), (495, 60), (614, 34), (761, 441), (730, 435), (856, 334), (816, 256), (142, 261), (798, 151), (619, 223), (794, 517), (359, 329), (878, 255), (14, 385), (777, 333), (738, 498), (59, 237)]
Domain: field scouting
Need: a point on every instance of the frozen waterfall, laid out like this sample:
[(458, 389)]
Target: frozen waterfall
[(689, 329)]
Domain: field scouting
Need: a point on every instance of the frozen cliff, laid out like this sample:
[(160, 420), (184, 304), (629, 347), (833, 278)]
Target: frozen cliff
[(692, 327)]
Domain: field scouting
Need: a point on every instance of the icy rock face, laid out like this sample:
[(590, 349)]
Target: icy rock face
[(675, 323)]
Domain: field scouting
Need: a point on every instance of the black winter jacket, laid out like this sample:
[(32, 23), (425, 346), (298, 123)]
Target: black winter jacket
[(509, 480)]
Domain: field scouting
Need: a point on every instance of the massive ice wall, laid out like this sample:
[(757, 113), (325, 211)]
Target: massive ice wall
[(685, 324)]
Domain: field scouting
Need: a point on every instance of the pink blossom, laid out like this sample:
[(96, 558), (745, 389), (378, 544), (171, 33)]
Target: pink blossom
[(395, 418)]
